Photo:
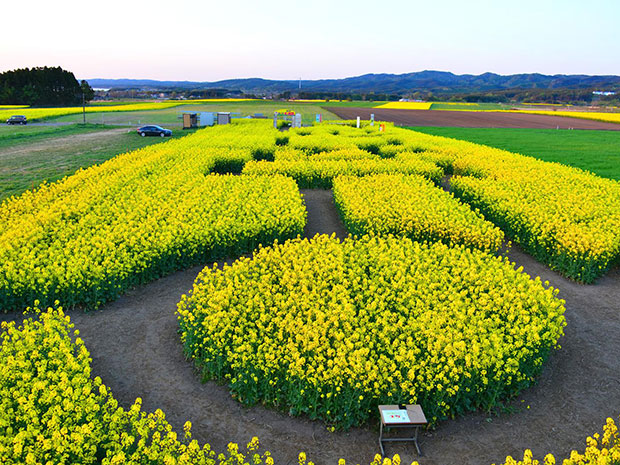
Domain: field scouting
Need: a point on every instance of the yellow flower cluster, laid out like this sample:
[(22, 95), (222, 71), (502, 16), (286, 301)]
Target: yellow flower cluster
[(406, 105), (52, 411), (139, 216), (600, 450), (411, 206), (331, 329)]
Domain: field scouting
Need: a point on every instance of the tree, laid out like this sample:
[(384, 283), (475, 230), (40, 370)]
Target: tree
[(87, 91)]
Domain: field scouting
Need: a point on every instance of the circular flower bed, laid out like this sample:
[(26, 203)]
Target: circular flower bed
[(331, 329)]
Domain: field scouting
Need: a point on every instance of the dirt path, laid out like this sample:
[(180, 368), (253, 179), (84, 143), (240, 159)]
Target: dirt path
[(471, 119), (323, 217), (60, 143), (136, 351)]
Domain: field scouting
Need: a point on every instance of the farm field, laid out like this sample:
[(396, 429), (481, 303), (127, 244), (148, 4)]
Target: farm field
[(596, 151), (113, 237), (473, 119), (30, 155), (452, 106)]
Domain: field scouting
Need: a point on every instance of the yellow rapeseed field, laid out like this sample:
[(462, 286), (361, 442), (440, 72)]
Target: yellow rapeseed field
[(607, 117), (407, 105)]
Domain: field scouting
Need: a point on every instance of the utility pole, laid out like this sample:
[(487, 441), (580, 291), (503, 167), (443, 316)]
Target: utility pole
[(83, 107)]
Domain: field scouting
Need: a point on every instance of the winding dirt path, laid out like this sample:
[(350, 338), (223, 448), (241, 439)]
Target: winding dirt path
[(136, 351)]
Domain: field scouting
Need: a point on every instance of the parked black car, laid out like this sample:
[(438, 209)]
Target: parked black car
[(17, 119), (153, 130)]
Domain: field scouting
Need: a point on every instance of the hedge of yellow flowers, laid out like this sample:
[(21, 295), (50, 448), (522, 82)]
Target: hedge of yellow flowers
[(332, 329), (565, 217), (137, 217), (600, 450), (52, 411), (411, 206), (319, 174)]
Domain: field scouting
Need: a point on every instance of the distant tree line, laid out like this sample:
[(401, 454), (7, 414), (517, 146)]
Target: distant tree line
[(555, 96), (323, 95), (43, 86)]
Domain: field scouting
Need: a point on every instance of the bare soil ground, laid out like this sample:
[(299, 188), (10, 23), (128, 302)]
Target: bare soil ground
[(136, 351), (470, 119)]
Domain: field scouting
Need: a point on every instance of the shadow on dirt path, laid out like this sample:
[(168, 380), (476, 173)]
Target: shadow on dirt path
[(136, 351)]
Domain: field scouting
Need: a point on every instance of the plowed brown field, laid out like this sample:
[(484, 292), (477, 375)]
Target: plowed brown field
[(471, 119)]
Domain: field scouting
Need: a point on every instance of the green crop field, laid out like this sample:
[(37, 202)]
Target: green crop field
[(596, 151)]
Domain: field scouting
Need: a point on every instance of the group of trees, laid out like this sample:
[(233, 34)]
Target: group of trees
[(43, 86)]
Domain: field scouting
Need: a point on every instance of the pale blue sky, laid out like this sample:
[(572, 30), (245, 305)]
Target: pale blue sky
[(207, 40)]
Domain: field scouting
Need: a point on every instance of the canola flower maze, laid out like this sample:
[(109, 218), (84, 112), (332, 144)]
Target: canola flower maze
[(88, 238)]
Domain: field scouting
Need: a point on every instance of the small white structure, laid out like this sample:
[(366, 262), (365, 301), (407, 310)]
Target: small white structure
[(223, 117), (297, 120), (206, 118)]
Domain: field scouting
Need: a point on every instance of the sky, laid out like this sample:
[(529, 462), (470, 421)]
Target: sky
[(204, 40)]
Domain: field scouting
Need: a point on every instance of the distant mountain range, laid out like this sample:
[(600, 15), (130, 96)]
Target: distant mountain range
[(434, 81)]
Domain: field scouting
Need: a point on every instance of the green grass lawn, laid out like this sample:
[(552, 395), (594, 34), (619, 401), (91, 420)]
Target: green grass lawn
[(596, 151), (27, 161)]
